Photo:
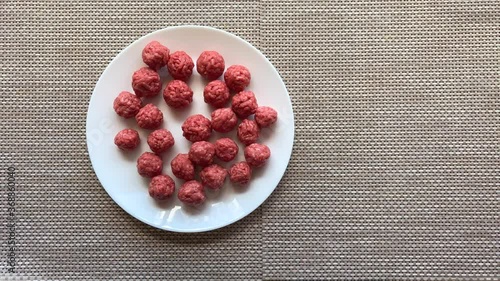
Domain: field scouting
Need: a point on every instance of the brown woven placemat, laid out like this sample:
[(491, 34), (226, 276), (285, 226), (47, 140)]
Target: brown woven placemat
[(395, 169)]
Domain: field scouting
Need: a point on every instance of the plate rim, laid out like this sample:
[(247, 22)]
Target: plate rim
[(236, 218)]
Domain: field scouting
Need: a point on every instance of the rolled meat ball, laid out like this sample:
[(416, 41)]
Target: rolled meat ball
[(160, 140), (237, 77), (149, 165), (149, 117), (146, 82), (127, 139), (197, 128), (202, 153), (216, 93), (240, 173), (182, 167), (213, 176), (126, 104), (257, 154), (191, 193), (224, 120), (226, 149), (210, 65), (248, 132), (180, 65), (244, 104), (155, 55), (161, 187), (177, 94), (265, 116)]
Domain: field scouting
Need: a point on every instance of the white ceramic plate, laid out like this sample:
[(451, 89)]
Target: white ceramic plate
[(117, 171)]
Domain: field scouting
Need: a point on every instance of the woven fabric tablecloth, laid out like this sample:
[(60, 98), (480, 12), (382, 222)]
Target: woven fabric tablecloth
[(395, 167)]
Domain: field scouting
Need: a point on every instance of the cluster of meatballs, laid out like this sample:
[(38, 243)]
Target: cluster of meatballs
[(196, 128)]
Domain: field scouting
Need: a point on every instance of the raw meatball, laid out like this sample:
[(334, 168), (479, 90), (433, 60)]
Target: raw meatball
[(210, 65), (240, 173), (257, 154), (155, 55), (127, 139), (160, 140), (127, 104), (224, 120), (237, 77), (248, 132), (149, 165), (244, 104), (146, 82), (226, 149), (265, 116), (180, 65), (177, 94), (213, 176), (149, 117), (197, 128), (191, 193), (161, 187), (182, 167), (216, 93), (202, 153)]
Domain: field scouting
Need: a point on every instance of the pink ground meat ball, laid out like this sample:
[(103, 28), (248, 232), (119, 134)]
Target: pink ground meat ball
[(226, 149), (149, 117), (127, 104), (202, 153), (149, 165), (244, 104), (155, 55), (224, 120), (146, 82), (180, 65), (182, 167), (127, 139), (216, 93), (237, 77), (213, 176), (248, 132), (191, 193), (210, 65), (257, 154), (161, 187), (265, 116), (240, 173), (177, 94), (197, 128), (160, 140)]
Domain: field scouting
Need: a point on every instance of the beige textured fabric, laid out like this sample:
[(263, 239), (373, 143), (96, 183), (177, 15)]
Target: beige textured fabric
[(395, 169)]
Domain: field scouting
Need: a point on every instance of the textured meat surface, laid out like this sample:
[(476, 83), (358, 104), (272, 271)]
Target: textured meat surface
[(161, 187), (213, 176), (210, 65), (257, 154), (202, 153), (216, 93), (244, 104), (248, 132), (265, 116), (127, 139), (146, 82), (197, 128), (180, 65), (178, 94), (226, 149), (160, 140), (224, 120), (149, 117), (155, 55), (126, 104), (237, 77), (192, 193), (149, 165), (182, 167), (240, 173)]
